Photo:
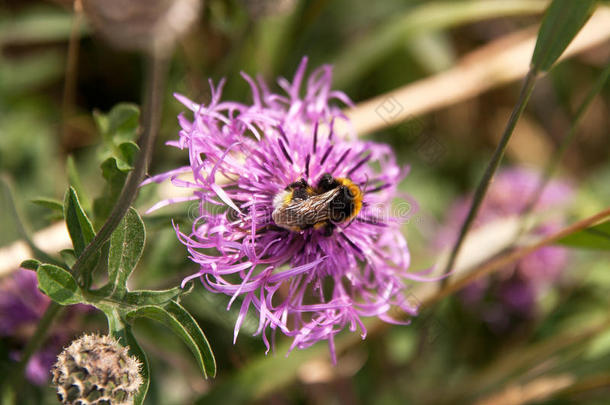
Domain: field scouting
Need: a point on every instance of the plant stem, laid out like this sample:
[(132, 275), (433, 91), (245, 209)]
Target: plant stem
[(150, 119), (67, 109), (481, 190), (566, 142)]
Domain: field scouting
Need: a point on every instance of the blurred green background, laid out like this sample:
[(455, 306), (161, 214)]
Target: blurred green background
[(444, 357)]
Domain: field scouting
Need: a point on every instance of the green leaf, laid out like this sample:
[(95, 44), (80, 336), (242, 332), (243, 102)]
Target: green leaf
[(58, 284), (562, 21), (30, 264), (68, 256), (595, 237), (127, 153), (123, 121), (76, 183), (182, 323), (120, 124), (115, 179), (126, 245), (149, 297), (50, 203), (121, 331), (79, 227), (188, 322)]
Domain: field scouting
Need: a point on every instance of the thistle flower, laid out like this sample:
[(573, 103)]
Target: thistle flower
[(309, 283), (512, 294), (21, 307), (96, 370)]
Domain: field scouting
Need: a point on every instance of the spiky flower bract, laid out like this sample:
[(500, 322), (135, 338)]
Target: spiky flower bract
[(511, 295), (307, 284), (96, 370)]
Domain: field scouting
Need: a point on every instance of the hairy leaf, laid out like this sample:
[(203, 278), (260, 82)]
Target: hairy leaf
[(79, 227), (126, 245), (68, 257), (150, 297), (115, 179), (176, 318), (30, 264), (58, 284)]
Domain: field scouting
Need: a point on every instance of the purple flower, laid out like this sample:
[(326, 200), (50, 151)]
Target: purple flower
[(38, 369), (513, 291), (21, 307), (21, 303), (309, 283)]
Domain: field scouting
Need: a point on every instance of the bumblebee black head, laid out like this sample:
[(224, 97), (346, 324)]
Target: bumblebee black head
[(342, 206), (299, 190), (327, 183), (297, 184)]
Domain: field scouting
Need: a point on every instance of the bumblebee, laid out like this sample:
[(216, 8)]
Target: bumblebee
[(332, 201)]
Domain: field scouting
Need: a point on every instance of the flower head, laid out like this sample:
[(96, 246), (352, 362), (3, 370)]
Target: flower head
[(284, 151), (513, 292), (96, 370)]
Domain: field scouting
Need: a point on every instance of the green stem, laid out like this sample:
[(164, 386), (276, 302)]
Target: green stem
[(565, 143), (481, 190), (150, 118)]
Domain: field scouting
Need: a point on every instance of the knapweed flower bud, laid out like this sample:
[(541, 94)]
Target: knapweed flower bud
[(149, 25), (96, 370)]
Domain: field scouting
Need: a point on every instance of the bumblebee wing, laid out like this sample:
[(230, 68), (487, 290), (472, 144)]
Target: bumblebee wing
[(303, 214)]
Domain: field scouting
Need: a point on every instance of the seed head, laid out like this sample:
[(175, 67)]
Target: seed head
[(96, 370)]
